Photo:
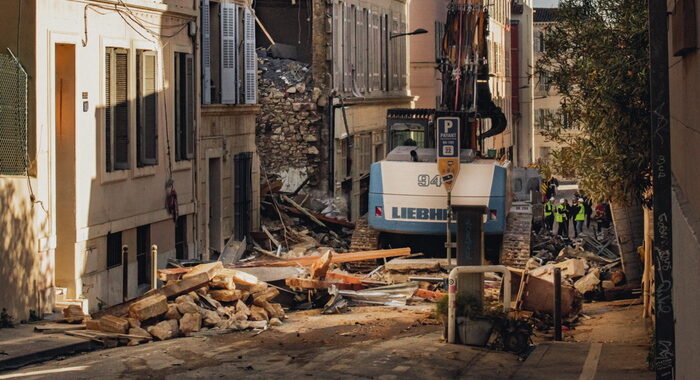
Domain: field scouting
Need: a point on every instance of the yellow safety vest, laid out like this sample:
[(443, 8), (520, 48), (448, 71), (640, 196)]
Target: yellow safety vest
[(560, 213), (548, 209), (581, 215)]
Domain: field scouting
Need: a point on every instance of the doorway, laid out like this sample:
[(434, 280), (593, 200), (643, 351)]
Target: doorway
[(64, 121), (215, 205)]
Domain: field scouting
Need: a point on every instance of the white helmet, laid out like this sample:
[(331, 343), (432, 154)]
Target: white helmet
[(561, 201)]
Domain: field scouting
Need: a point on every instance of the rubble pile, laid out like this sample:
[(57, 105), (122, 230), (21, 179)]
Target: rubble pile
[(289, 126), (206, 297)]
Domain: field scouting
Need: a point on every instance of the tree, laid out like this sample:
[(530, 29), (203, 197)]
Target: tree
[(597, 56)]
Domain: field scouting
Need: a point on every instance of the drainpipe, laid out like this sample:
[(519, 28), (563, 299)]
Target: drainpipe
[(452, 293)]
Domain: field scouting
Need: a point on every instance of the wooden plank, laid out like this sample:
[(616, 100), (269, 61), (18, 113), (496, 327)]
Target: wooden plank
[(307, 283), (169, 291), (429, 294), (58, 329), (96, 334), (321, 217), (336, 259)]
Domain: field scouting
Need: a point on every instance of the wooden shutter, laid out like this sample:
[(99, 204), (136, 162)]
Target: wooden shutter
[(402, 56), (121, 110), (190, 105), (206, 53), (251, 62), (147, 108), (384, 59), (229, 45), (337, 58), (347, 49), (360, 50), (108, 108)]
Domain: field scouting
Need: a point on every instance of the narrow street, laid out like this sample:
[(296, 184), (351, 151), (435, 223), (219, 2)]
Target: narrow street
[(369, 342)]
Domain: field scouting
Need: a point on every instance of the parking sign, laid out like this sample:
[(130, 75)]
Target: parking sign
[(448, 149)]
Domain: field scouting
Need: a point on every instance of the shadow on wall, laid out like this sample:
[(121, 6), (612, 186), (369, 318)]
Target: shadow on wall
[(26, 275)]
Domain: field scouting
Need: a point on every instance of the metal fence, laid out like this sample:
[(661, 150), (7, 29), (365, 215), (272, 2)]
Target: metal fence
[(13, 116)]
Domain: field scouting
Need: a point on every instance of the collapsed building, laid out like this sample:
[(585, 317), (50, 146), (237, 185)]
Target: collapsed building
[(330, 72)]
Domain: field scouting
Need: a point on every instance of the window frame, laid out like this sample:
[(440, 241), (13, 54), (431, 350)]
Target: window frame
[(109, 165), (141, 160), (111, 244), (183, 150)]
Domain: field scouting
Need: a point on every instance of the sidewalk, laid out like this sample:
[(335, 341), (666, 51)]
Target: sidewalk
[(20, 345), (586, 361)]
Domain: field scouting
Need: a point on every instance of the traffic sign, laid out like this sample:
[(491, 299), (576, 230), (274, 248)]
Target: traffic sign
[(448, 149)]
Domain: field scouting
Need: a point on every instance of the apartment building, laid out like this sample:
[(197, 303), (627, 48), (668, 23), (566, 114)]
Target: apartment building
[(499, 59), (358, 60), (547, 102), (228, 169), (115, 146), (522, 84)]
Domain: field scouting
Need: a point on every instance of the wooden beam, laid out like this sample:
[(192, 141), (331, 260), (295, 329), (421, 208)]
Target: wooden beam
[(169, 291)]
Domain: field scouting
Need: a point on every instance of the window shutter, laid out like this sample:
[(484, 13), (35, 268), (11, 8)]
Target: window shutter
[(229, 29), (394, 60), (360, 50), (402, 57), (108, 109), (121, 112), (190, 105), (206, 53), (337, 45), (347, 50), (384, 52), (251, 61), (147, 128)]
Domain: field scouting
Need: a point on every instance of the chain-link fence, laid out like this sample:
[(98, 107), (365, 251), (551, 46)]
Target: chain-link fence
[(13, 117)]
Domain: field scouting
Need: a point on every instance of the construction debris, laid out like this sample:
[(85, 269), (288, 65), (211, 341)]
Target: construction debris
[(206, 296)]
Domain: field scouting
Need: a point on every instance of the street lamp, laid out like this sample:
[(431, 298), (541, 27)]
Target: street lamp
[(413, 33)]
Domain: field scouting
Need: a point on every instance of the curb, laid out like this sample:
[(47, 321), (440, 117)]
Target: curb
[(42, 356)]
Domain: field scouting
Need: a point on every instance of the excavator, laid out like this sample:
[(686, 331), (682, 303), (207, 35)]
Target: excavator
[(408, 202)]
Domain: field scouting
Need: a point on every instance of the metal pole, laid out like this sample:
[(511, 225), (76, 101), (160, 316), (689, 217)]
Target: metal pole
[(661, 172), (154, 266), (449, 232), (125, 273), (557, 304)]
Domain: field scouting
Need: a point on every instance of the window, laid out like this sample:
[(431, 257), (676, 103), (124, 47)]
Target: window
[(184, 106), (143, 254), (543, 84), (242, 194), (116, 109), (146, 108), (181, 237), (229, 60), (114, 249)]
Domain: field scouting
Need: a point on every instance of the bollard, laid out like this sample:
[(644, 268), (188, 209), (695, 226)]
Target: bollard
[(154, 266), (125, 273), (557, 304)]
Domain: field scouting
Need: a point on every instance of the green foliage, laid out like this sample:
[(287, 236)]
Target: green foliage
[(597, 57), (6, 319)]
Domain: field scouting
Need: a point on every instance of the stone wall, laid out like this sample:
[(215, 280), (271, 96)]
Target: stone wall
[(289, 126)]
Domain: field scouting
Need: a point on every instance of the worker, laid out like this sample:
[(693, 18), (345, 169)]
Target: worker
[(588, 203), (549, 214), (562, 217), (579, 217)]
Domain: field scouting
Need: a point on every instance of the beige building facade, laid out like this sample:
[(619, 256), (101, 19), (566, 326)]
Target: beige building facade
[(426, 51), (684, 73), (547, 102), (116, 139)]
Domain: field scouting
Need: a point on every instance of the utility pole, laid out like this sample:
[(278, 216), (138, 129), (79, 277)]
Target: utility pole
[(665, 351)]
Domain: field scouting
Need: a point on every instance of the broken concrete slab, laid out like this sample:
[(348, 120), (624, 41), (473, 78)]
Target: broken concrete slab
[(149, 307), (189, 323), (225, 295), (164, 330), (211, 269), (589, 282), (415, 265), (110, 323)]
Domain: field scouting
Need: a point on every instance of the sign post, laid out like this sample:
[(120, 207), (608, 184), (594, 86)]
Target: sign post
[(448, 150)]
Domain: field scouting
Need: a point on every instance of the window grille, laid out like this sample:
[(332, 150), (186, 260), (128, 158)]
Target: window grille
[(13, 117)]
